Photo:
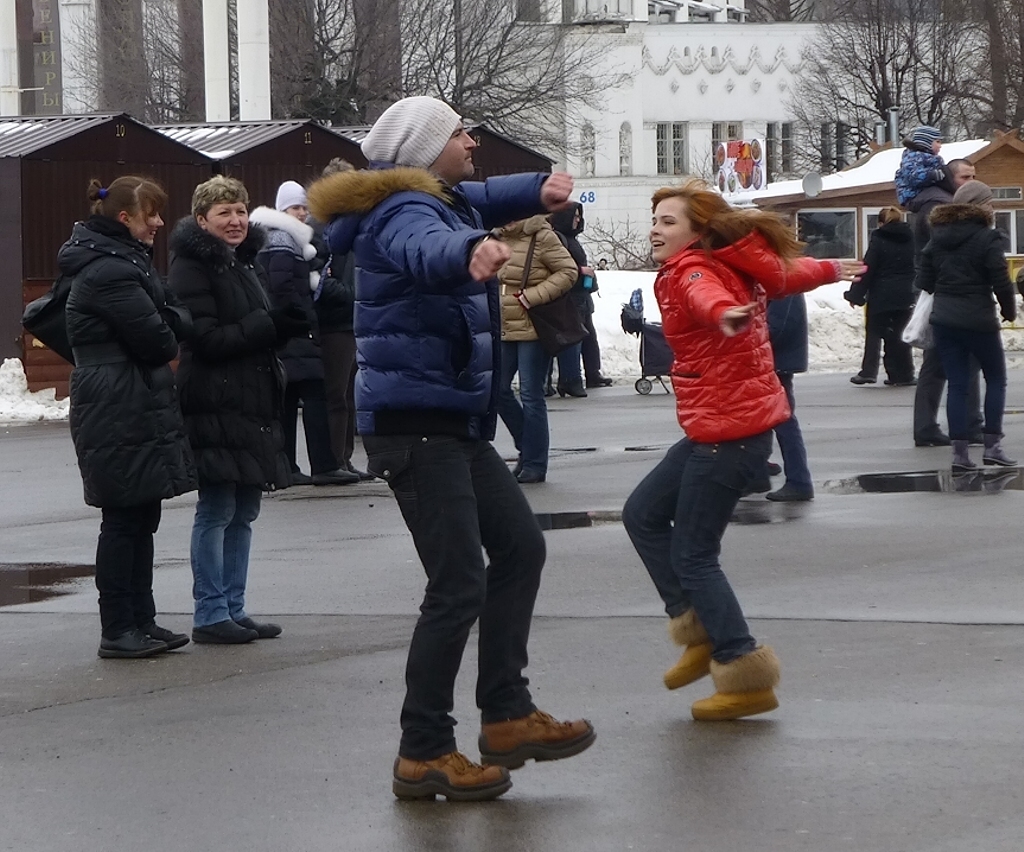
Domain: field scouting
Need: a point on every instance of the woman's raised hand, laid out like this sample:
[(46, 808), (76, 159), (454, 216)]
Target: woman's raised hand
[(851, 270), (734, 320)]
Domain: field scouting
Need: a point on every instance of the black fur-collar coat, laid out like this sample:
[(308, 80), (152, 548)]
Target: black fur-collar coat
[(231, 381), (964, 265)]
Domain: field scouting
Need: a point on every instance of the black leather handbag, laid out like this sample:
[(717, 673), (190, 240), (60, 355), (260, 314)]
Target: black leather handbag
[(557, 323)]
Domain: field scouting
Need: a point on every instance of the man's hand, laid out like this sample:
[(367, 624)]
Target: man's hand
[(734, 320), (555, 192), (487, 258)]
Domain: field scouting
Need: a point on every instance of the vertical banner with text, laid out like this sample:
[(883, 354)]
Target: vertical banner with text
[(46, 60)]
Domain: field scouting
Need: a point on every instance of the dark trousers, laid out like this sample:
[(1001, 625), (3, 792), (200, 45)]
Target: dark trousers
[(791, 442), (955, 347), (676, 518), (590, 349), (124, 568), (931, 379), (314, 424), (459, 499), (886, 327), (338, 349)]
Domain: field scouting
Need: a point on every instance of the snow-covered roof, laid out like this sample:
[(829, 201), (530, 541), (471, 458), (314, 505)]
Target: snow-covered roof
[(878, 169)]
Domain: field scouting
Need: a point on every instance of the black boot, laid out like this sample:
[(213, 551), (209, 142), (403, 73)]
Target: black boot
[(131, 645), (264, 629), (223, 633), (161, 634), (994, 452), (575, 390)]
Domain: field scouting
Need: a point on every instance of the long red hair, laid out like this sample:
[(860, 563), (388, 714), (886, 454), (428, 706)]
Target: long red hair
[(720, 225)]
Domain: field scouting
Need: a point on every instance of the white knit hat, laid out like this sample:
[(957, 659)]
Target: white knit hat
[(289, 194), (411, 132)]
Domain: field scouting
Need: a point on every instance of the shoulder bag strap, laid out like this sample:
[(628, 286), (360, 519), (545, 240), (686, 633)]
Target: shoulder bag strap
[(529, 262)]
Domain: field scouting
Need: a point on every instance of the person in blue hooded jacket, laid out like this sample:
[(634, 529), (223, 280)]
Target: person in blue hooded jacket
[(427, 325)]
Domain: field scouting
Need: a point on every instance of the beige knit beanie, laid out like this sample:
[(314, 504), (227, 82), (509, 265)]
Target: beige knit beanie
[(974, 192), (411, 132)]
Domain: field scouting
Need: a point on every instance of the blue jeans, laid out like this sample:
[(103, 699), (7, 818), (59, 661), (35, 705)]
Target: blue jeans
[(955, 347), (460, 500), (221, 535), (527, 422), (569, 371), (676, 518), (791, 442)]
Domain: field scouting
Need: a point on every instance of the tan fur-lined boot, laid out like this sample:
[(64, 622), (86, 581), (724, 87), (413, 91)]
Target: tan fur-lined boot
[(743, 687), (687, 630)]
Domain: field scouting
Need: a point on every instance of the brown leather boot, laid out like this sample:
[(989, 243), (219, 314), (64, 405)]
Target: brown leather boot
[(451, 775), (538, 736), (695, 662)]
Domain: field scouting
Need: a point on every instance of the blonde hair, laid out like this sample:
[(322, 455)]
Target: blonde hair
[(889, 214), (336, 166), (218, 190), (720, 225)]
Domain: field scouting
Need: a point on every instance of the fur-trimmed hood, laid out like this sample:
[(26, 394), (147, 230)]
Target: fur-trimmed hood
[(348, 196), (190, 241), (285, 231), (951, 214), (955, 225), (525, 227)]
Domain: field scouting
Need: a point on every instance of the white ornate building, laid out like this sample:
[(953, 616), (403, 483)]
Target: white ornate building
[(697, 74)]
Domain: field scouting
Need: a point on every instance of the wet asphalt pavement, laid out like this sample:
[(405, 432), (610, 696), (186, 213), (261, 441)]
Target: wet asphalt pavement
[(898, 616)]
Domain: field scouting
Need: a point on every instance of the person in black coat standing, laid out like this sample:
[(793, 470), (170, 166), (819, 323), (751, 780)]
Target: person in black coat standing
[(232, 393), (888, 289), (787, 331), (125, 421), (287, 257), (569, 224), (930, 378), (963, 265)]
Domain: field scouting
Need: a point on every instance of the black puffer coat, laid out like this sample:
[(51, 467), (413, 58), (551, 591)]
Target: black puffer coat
[(125, 419), (963, 265), (287, 258), (232, 383), (888, 285)]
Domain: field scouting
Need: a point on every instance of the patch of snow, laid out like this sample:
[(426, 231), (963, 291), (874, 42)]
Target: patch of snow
[(835, 330), (19, 405)]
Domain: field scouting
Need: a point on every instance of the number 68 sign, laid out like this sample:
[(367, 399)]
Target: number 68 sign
[(588, 197)]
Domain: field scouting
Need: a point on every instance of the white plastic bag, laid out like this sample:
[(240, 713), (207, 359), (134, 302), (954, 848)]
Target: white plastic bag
[(918, 331)]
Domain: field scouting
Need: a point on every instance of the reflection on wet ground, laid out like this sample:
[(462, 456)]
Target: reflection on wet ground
[(22, 583), (752, 512), (990, 480)]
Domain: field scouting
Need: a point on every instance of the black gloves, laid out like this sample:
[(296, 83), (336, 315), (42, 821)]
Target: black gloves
[(290, 321)]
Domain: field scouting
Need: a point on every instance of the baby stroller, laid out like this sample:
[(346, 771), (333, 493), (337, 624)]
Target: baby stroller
[(655, 354)]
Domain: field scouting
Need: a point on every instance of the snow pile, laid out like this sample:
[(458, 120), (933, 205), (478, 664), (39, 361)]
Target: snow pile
[(835, 329), (19, 405)]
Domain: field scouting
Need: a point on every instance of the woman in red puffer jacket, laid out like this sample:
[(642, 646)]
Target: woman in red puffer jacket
[(719, 267)]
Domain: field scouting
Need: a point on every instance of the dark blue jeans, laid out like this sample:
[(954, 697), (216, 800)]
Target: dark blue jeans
[(676, 518), (527, 421), (315, 424), (459, 499), (791, 442), (955, 347)]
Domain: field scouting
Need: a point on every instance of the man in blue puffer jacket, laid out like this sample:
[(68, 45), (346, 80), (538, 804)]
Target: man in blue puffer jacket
[(427, 327)]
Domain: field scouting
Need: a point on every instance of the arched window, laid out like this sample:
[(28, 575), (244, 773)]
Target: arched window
[(588, 151), (625, 149)]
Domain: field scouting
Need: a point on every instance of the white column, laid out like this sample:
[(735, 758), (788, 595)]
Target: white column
[(253, 60), (10, 101), (215, 60), (639, 10)]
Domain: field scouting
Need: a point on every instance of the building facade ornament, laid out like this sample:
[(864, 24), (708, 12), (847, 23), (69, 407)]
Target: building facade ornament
[(715, 62)]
